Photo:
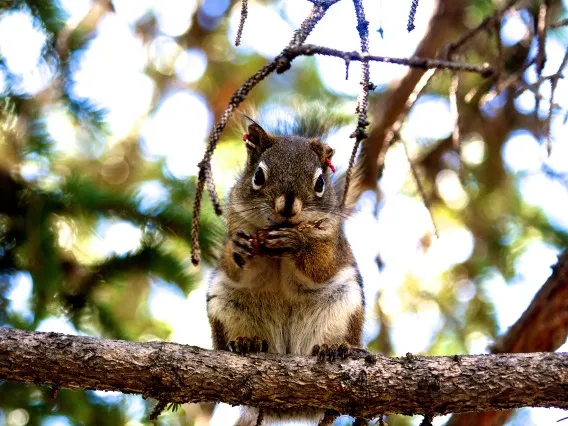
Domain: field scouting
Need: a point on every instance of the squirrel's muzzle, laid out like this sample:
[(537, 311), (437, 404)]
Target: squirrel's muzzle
[(287, 206)]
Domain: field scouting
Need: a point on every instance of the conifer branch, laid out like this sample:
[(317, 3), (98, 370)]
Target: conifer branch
[(363, 388), (281, 64)]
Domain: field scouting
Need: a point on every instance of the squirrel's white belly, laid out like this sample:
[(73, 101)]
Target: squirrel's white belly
[(284, 308)]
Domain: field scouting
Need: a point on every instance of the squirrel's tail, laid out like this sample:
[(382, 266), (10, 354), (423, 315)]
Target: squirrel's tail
[(354, 190)]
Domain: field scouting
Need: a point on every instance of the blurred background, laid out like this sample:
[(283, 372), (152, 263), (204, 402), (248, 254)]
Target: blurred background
[(105, 108)]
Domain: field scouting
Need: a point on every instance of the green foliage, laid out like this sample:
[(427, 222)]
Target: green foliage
[(57, 203)]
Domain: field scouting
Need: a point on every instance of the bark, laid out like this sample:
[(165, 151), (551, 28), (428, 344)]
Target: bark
[(542, 327), (178, 373)]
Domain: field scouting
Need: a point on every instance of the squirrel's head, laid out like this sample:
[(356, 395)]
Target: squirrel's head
[(285, 181)]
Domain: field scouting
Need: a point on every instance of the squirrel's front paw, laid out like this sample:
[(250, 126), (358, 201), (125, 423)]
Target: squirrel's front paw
[(247, 345), (242, 249), (331, 352), (281, 242)]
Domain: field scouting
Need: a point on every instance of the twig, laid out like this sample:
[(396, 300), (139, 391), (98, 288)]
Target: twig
[(486, 23), (410, 101), (317, 12), (510, 81), (205, 175), (561, 23), (204, 166), (397, 125), (553, 85), (380, 30), (363, 101), (410, 26), (244, 14), (282, 63), (541, 36), (500, 56), (420, 187), (413, 62), (456, 142)]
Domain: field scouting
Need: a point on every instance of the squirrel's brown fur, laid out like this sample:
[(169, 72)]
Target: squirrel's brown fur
[(286, 274)]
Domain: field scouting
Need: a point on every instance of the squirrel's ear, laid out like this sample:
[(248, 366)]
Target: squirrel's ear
[(323, 151), (257, 139)]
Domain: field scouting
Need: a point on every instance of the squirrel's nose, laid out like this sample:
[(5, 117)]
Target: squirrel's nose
[(288, 205)]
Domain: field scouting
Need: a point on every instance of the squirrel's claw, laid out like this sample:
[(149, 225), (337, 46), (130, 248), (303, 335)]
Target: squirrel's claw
[(282, 242), (247, 345), (242, 249), (331, 352)]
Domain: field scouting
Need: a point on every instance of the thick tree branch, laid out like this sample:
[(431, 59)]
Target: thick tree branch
[(542, 327), (363, 387)]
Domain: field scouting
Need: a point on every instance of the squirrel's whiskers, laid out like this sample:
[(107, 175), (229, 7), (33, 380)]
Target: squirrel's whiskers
[(286, 275)]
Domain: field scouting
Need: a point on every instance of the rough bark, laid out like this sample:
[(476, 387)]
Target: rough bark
[(178, 373), (542, 327)]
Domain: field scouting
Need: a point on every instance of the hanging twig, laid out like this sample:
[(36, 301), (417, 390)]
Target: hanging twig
[(205, 175), (553, 84), (456, 142), (282, 63), (541, 37), (410, 26), (244, 14), (360, 132), (419, 186), (410, 101), (381, 30)]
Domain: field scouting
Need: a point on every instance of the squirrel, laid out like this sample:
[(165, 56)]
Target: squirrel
[(286, 281)]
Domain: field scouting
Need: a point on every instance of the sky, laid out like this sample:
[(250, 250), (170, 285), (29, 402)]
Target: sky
[(111, 74)]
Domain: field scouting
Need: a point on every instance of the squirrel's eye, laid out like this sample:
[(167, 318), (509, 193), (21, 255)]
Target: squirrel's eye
[(319, 186), (258, 179)]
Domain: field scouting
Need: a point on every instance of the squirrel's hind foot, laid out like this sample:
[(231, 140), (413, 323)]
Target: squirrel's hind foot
[(333, 352), (247, 345)]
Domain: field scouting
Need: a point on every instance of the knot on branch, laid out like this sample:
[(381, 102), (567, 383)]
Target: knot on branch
[(370, 85), (487, 71), (284, 61), (359, 134), (204, 165), (363, 27), (324, 4)]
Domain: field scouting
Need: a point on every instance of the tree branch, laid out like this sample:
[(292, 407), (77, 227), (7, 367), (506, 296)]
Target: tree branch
[(363, 387), (542, 327), (413, 62), (392, 104)]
